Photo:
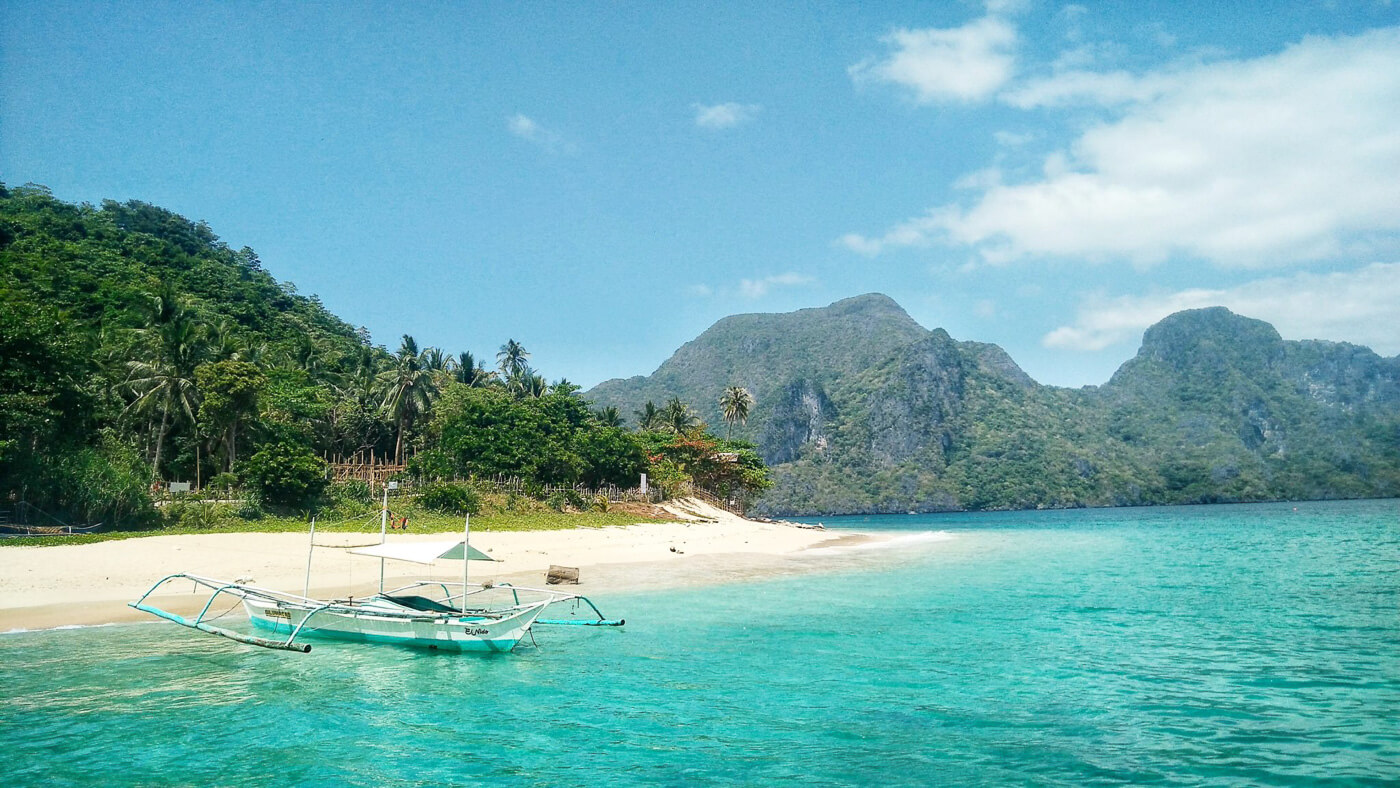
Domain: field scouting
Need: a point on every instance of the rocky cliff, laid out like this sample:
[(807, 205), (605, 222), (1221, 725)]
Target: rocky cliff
[(859, 409)]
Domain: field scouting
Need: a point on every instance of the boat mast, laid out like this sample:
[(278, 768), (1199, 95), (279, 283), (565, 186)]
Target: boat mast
[(466, 555), (383, 526), (306, 589)]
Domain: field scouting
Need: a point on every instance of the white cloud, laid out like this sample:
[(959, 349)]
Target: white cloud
[(526, 128), (724, 116), (1277, 160), (1011, 139), (1077, 86), (959, 64), (1354, 306), (757, 288), (914, 232)]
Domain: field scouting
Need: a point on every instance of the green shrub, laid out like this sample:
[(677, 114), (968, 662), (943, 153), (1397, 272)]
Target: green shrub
[(198, 515), (286, 474), (351, 493), (450, 498), (250, 508), (433, 465), (559, 500)]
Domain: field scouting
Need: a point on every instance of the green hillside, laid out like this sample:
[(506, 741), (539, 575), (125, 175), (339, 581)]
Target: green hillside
[(137, 348), (1214, 408)]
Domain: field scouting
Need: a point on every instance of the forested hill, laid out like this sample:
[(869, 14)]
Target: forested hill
[(861, 410), (136, 348), (108, 314), (104, 268)]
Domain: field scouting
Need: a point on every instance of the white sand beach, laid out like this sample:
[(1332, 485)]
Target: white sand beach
[(65, 585)]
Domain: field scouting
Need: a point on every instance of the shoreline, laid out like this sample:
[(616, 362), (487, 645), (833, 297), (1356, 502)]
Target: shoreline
[(91, 584)]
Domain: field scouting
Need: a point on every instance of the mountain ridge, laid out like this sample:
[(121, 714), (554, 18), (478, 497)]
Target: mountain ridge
[(1214, 407)]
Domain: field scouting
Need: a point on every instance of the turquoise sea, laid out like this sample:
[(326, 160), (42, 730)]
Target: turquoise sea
[(1224, 645)]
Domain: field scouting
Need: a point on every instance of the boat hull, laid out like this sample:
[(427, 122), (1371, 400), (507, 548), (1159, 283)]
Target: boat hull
[(383, 624)]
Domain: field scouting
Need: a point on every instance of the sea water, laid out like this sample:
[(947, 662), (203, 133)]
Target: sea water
[(1225, 645)]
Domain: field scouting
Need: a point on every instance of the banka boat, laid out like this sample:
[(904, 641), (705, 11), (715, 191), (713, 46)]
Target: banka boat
[(429, 614)]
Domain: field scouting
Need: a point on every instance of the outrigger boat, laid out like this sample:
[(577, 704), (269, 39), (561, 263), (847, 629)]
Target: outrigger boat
[(426, 613)]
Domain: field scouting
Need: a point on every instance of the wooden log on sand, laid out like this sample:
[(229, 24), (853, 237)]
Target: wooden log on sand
[(561, 575)]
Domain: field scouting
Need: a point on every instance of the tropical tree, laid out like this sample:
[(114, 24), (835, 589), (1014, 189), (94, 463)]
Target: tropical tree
[(229, 394), (609, 416), (735, 403), (434, 360), (165, 383), (466, 369), (677, 417), (531, 384), (409, 390), (513, 360), (649, 417)]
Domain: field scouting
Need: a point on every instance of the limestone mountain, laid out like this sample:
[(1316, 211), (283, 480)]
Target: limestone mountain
[(859, 409)]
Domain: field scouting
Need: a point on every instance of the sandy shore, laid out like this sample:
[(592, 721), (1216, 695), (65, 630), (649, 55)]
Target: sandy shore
[(43, 587)]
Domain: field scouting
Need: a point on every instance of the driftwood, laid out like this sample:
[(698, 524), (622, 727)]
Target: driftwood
[(561, 574)]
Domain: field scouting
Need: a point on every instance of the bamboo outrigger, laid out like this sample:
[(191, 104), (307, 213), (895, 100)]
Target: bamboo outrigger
[(412, 615)]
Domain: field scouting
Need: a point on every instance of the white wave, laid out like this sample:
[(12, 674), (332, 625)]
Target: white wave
[(22, 630), (899, 542), (906, 540)]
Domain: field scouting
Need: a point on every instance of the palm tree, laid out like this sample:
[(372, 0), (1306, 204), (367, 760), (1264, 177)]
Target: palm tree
[(648, 417), (532, 384), (409, 390), (435, 360), (677, 417), (735, 402), (609, 417), (513, 359), (466, 369), (165, 384), (563, 386)]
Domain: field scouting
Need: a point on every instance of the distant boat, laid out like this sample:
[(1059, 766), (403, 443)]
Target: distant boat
[(425, 614)]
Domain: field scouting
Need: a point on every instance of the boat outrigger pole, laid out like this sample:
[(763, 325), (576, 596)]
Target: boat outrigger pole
[(306, 589), (383, 527)]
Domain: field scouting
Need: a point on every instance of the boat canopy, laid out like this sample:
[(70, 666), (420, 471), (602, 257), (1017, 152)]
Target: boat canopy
[(422, 552)]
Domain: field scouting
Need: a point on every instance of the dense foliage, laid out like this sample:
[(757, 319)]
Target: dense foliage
[(137, 348)]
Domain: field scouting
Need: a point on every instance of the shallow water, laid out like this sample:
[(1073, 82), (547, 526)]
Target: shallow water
[(1205, 646)]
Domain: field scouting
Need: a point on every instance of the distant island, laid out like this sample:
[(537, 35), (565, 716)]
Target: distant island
[(859, 409)]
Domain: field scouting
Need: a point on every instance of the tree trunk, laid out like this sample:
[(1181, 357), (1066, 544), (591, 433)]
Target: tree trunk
[(232, 445), (160, 441)]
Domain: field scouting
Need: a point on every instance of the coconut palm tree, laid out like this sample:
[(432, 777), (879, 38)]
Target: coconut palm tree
[(609, 416), (165, 384), (409, 390), (648, 417), (563, 386), (435, 360), (735, 402), (677, 417), (513, 359), (466, 369), (532, 384)]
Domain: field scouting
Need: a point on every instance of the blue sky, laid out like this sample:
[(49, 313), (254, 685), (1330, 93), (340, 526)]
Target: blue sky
[(601, 182)]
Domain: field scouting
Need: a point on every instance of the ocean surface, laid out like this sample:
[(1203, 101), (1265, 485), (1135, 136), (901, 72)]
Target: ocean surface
[(1223, 645)]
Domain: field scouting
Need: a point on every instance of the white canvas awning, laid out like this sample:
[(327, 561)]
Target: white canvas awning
[(422, 552)]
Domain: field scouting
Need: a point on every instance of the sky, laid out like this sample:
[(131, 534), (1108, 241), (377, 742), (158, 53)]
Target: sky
[(603, 181)]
